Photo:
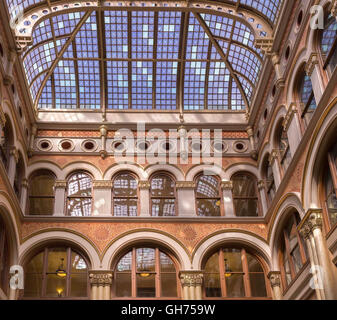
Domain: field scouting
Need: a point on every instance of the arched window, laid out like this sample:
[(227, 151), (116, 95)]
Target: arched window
[(283, 146), (306, 97), (79, 199), (4, 258), (41, 193), (245, 195), (125, 195), (163, 195), (208, 196), (330, 183), (293, 251), (234, 273), (56, 272), (269, 179), (6, 143), (328, 43), (146, 273), (19, 176)]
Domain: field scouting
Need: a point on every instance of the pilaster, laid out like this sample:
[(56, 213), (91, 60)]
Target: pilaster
[(227, 194), (60, 197), (144, 196), (100, 282), (185, 195), (275, 283), (102, 190), (191, 282)]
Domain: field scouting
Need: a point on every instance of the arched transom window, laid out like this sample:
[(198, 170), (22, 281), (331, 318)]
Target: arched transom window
[(146, 273), (208, 199), (79, 199), (329, 43), (56, 272), (234, 273), (125, 195)]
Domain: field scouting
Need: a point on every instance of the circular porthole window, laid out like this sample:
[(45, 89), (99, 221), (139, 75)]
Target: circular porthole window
[(89, 145), (44, 145), (143, 145), (66, 145), (240, 146), (220, 146), (167, 146), (118, 146), (196, 146)]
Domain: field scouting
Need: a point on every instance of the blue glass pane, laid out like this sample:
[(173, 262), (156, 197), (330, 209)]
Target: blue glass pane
[(237, 103), (218, 86), (247, 88), (17, 6), (197, 41), (65, 24), (168, 34), (46, 100), (34, 89), (42, 32), (89, 84), (65, 85), (307, 92), (142, 83), (69, 53), (86, 39), (118, 85), (329, 35), (166, 85), (269, 8), (243, 34), (116, 34), (219, 26), (142, 34)]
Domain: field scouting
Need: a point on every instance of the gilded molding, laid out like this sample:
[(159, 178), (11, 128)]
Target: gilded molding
[(101, 278), (310, 66), (102, 184), (185, 185), (274, 278), (191, 279), (265, 44), (312, 220), (144, 185), (289, 116), (227, 185), (61, 184)]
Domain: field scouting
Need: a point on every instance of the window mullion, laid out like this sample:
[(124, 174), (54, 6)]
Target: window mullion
[(222, 274), (246, 273), (44, 272)]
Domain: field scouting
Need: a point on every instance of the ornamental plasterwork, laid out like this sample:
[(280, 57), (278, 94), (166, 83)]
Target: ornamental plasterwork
[(100, 279), (227, 185), (185, 185), (61, 184), (191, 279), (310, 66), (102, 184), (313, 220)]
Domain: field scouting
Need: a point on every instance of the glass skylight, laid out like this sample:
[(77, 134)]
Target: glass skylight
[(142, 60)]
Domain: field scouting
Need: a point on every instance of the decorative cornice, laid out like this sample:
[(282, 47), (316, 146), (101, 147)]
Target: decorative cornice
[(60, 184), (310, 66), (227, 185), (274, 278), (102, 184), (191, 279), (289, 116), (265, 44), (185, 185), (312, 220), (144, 185), (101, 278)]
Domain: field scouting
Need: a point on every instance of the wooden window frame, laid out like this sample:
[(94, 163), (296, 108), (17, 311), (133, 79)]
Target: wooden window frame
[(257, 197), (69, 251), (286, 246), (157, 274), (220, 198), (174, 197), (78, 197), (246, 277), (113, 197)]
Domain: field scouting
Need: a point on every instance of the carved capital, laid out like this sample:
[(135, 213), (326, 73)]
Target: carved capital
[(144, 185), (60, 184), (272, 156), (101, 279), (265, 44), (24, 183), (102, 184), (334, 8), (289, 116), (191, 279), (261, 184), (15, 153), (227, 185), (310, 66), (274, 278), (185, 185), (312, 220)]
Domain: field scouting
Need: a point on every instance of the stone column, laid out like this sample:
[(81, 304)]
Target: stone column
[(250, 133), (8, 78), (323, 269), (104, 132), (183, 145), (227, 194), (60, 198), (312, 69), (32, 139), (13, 160), (261, 185), (102, 198), (292, 126), (191, 282), (276, 169), (276, 62), (24, 194), (101, 282), (186, 198), (275, 283), (144, 196)]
